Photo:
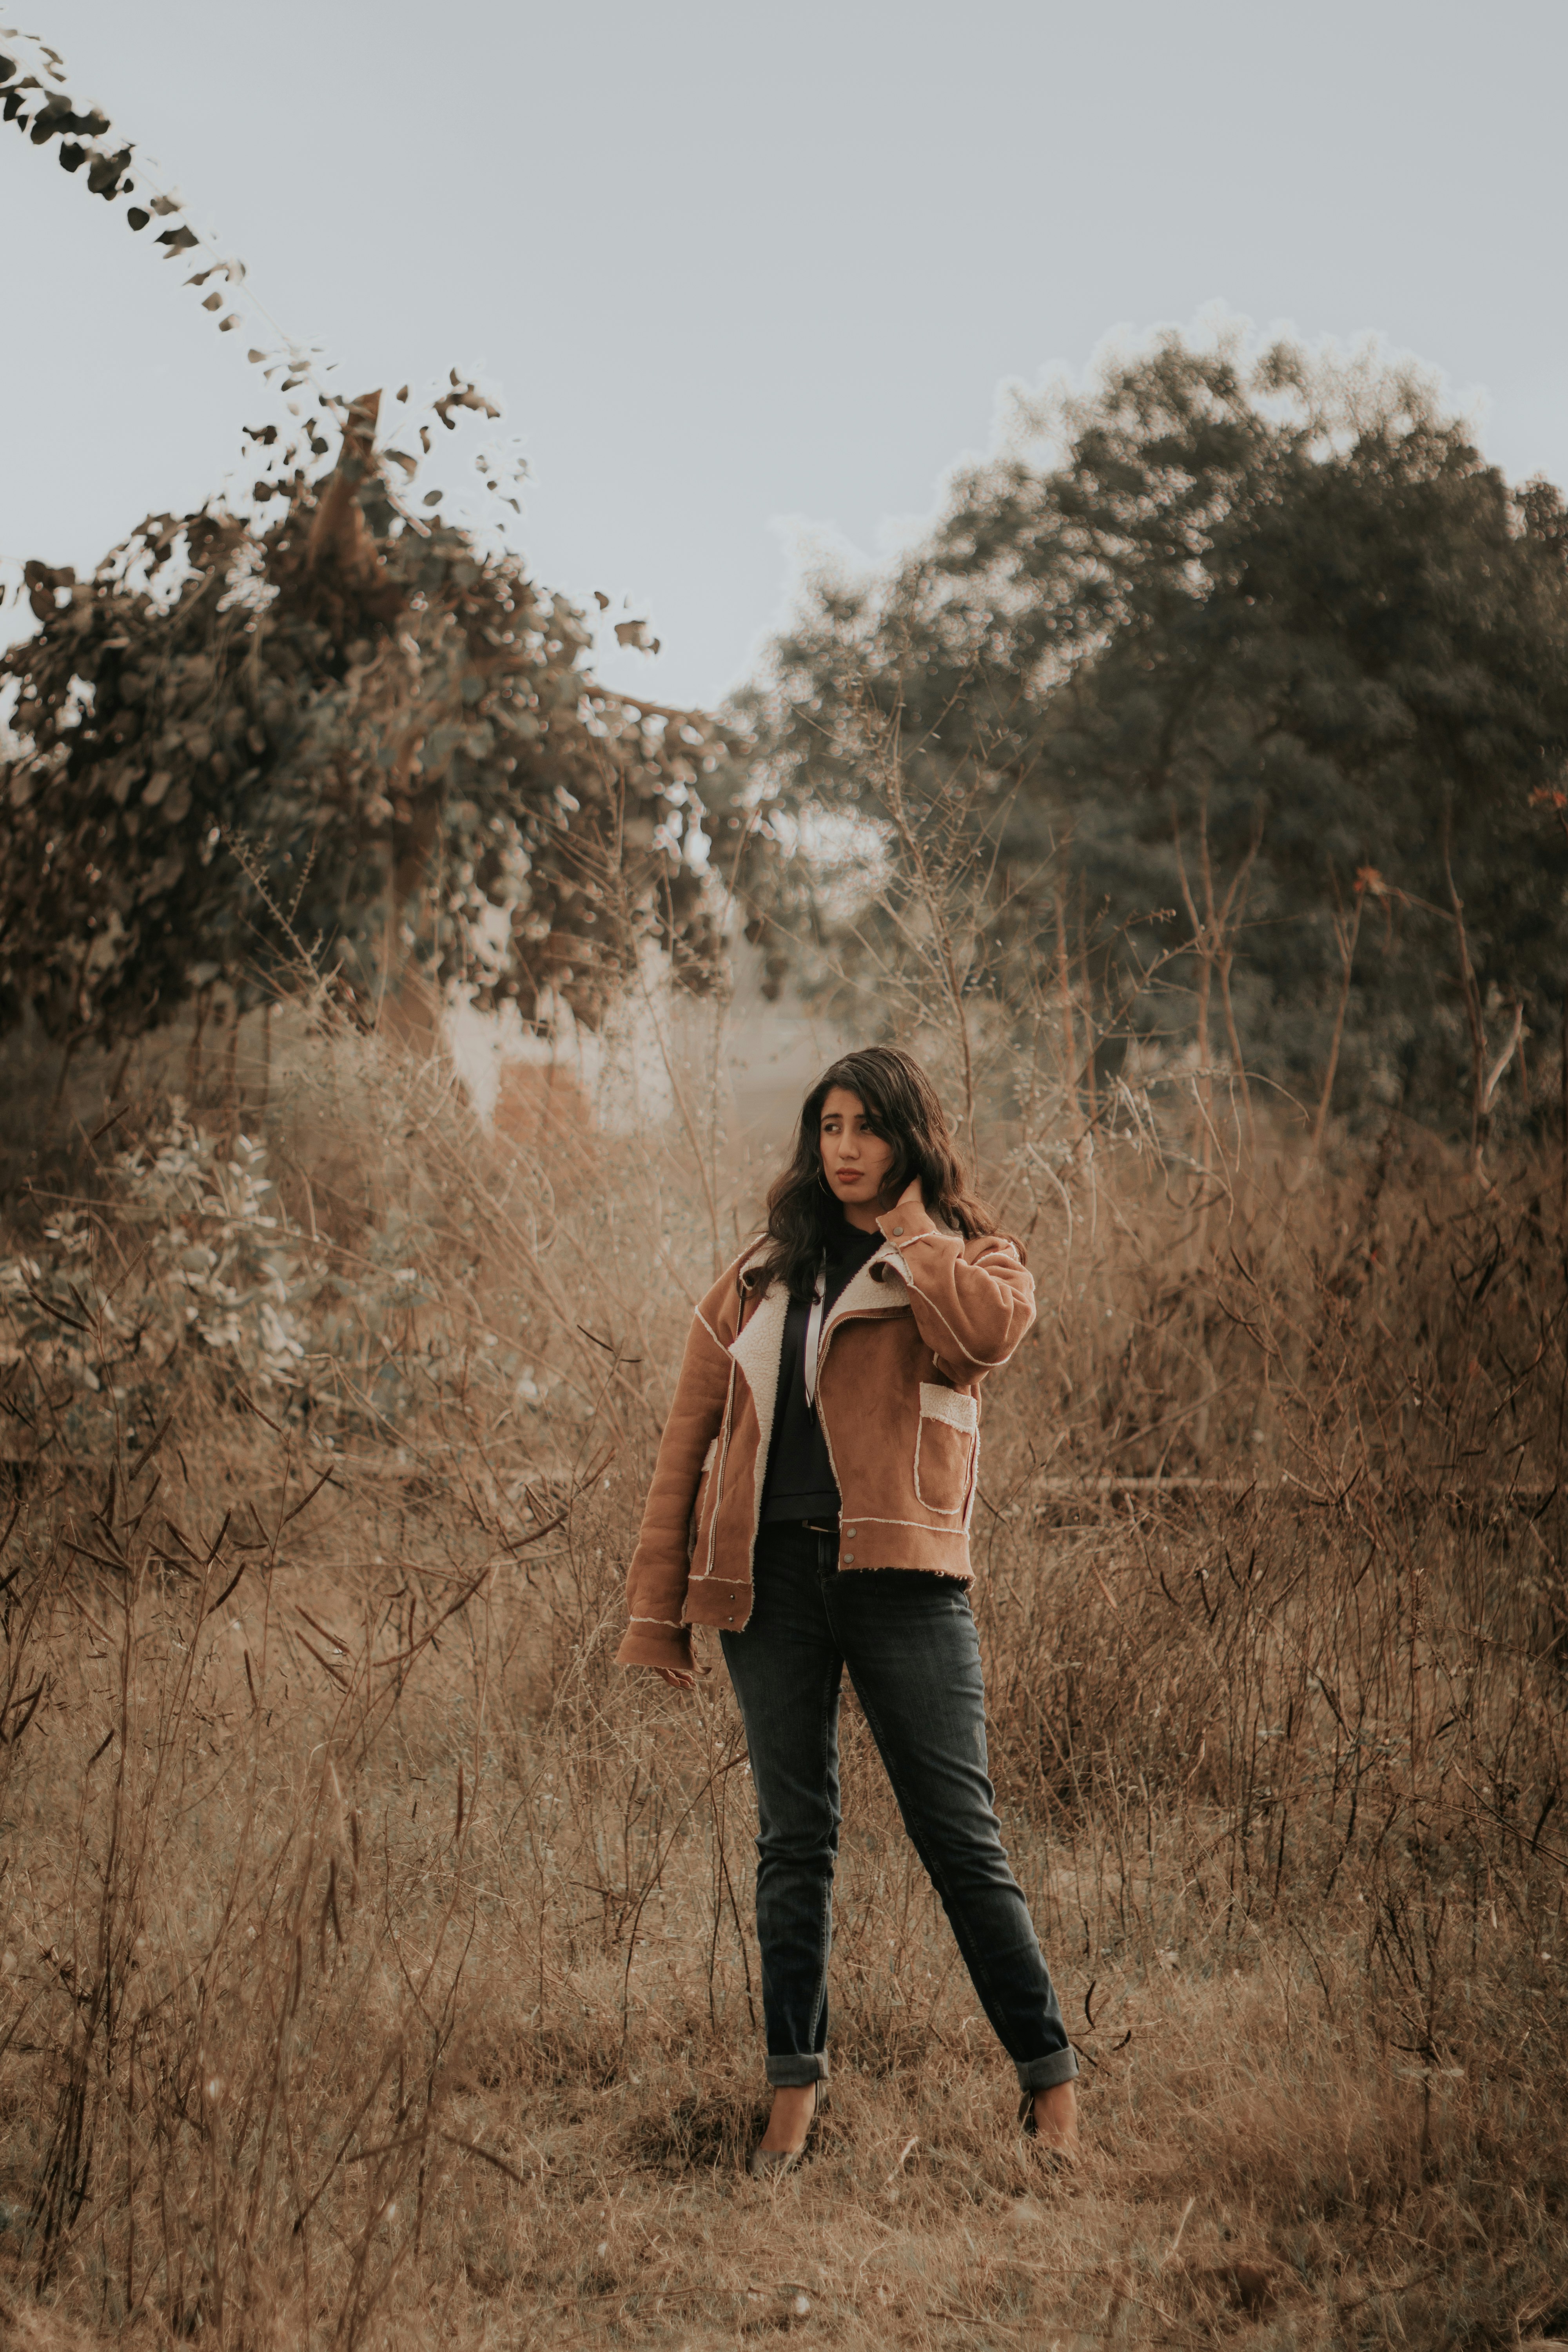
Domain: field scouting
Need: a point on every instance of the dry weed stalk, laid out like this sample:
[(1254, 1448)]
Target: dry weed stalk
[(371, 1950)]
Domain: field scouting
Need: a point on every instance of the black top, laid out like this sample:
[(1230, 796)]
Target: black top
[(800, 1484)]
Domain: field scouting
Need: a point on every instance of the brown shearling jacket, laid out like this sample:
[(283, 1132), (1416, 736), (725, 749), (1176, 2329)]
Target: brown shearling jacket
[(902, 1357)]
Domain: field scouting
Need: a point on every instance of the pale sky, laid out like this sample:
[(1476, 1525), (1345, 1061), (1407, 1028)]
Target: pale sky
[(739, 271)]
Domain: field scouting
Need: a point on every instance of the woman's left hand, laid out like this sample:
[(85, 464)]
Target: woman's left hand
[(678, 1678)]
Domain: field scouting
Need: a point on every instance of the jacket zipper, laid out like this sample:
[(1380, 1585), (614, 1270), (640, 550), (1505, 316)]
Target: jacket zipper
[(861, 1316), (719, 1471)]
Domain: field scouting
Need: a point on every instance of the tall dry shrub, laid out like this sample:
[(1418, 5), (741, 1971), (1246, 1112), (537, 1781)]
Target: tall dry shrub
[(346, 1872)]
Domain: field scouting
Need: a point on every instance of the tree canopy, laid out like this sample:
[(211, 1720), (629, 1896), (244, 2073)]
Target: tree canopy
[(341, 740), (308, 726), (1242, 677), (1257, 650)]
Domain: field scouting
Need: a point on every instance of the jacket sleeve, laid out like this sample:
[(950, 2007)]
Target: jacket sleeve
[(970, 1311), (656, 1581)]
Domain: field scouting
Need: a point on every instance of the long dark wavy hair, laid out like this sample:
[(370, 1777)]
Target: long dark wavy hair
[(902, 1107)]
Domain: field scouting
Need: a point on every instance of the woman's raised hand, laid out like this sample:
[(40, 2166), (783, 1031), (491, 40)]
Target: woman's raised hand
[(678, 1678)]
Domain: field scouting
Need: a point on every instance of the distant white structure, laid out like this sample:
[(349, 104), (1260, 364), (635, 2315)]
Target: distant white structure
[(739, 1060)]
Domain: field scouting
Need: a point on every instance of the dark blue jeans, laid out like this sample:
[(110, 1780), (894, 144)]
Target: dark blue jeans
[(908, 1639)]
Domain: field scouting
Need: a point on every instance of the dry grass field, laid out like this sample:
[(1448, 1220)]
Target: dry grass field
[(376, 1965)]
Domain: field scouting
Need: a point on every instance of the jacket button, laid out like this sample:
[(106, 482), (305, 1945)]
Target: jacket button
[(898, 1229), (848, 1560), (849, 1534)]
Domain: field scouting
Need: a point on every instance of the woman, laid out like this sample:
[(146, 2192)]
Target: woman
[(812, 1501)]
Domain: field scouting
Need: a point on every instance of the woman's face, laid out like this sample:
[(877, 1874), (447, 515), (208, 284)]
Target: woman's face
[(855, 1162)]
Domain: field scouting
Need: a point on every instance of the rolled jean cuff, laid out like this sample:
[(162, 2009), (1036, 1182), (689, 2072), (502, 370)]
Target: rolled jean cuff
[(795, 2071), (1045, 2074)]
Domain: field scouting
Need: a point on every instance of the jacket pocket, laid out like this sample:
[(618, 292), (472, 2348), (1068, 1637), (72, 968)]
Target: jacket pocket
[(944, 1448)]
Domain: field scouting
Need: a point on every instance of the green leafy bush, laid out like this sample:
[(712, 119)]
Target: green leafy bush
[(191, 1273)]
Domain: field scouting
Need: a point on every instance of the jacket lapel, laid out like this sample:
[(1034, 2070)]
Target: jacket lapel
[(756, 1348), (882, 1293), (760, 1343)]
